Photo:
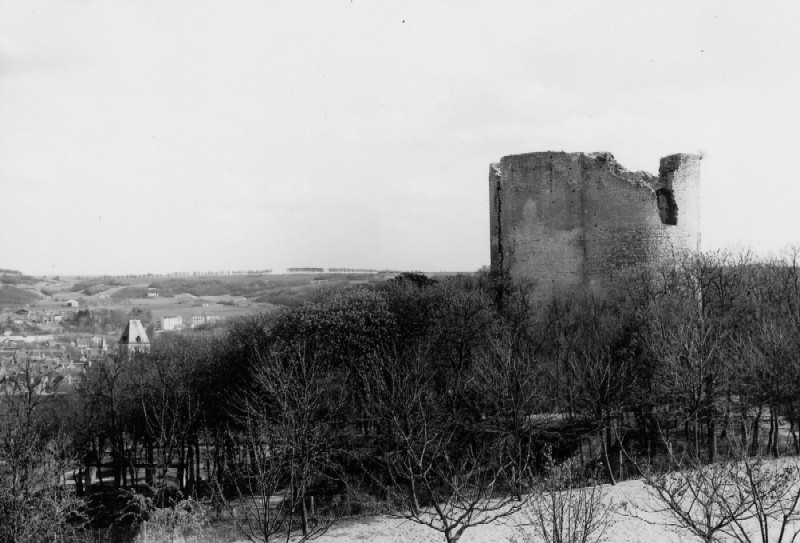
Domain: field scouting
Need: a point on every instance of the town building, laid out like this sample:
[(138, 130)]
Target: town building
[(200, 320), (171, 322)]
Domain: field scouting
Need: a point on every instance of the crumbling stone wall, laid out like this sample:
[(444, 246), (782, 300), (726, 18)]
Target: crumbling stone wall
[(567, 220)]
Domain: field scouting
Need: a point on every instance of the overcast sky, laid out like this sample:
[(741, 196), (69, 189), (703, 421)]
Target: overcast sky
[(165, 136)]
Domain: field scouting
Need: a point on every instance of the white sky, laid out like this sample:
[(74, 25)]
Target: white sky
[(165, 136)]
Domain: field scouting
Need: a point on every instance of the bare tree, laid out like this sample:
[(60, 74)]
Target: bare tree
[(258, 483), (594, 372), (109, 406), (701, 499), (439, 472), (287, 424), (772, 490), (567, 507), (688, 341), (509, 380), (35, 504), (766, 360), (169, 405), (744, 498)]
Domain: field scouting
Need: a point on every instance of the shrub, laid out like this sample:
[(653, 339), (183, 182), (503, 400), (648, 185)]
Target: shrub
[(567, 507)]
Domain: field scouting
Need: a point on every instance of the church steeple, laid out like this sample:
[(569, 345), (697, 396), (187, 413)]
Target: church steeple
[(134, 339)]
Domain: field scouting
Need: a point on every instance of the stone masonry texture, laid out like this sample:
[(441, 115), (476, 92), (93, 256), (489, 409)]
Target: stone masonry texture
[(581, 220)]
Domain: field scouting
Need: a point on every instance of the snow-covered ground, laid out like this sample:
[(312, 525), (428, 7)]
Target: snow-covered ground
[(640, 518)]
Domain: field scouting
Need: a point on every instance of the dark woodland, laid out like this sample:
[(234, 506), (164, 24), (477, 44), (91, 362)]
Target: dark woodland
[(445, 401)]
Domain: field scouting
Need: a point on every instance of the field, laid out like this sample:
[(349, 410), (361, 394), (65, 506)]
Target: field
[(223, 296), (13, 296)]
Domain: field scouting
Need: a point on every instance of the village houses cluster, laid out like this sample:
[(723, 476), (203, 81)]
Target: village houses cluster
[(54, 359)]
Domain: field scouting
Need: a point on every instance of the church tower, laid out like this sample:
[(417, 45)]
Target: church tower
[(134, 339)]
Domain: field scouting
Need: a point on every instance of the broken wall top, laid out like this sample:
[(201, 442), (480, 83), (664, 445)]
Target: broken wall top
[(580, 218)]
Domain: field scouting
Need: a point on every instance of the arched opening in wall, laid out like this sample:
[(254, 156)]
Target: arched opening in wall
[(667, 208)]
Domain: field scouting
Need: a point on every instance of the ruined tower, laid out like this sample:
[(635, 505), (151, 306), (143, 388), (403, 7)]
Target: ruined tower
[(581, 220)]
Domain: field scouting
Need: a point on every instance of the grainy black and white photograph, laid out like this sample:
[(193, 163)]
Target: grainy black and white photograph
[(399, 272)]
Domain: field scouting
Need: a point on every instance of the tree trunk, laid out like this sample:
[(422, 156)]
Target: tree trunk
[(181, 466), (116, 464), (133, 453), (99, 460), (148, 471), (190, 464), (79, 481), (197, 458), (774, 427), (208, 460), (606, 460), (414, 503), (696, 431), (755, 430), (794, 436), (303, 515), (712, 439), (771, 434), (515, 483), (687, 434)]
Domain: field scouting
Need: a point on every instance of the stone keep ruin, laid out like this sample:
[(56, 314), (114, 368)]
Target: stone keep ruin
[(566, 220)]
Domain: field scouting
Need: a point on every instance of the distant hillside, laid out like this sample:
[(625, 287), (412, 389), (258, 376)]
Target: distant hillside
[(16, 296), (17, 279), (274, 290), (195, 287), (130, 292), (93, 286)]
